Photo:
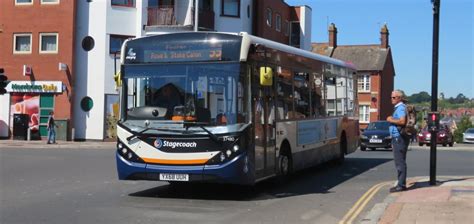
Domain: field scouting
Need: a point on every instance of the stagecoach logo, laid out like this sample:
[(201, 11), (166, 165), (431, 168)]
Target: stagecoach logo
[(131, 55), (158, 143), (163, 143)]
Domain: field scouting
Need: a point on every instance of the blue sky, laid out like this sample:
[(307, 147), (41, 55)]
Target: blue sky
[(410, 23)]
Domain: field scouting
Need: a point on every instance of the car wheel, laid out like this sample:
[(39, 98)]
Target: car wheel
[(420, 144), (451, 144), (362, 148), (444, 144)]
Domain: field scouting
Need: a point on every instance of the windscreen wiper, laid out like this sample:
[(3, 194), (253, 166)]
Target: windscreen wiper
[(201, 125), (141, 133)]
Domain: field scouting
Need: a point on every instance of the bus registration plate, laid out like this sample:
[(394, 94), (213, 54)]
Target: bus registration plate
[(174, 177)]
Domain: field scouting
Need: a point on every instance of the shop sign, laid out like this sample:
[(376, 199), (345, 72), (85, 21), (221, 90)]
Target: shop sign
[(35, 87)]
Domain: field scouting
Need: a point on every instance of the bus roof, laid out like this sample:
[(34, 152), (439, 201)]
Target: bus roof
[(250, 39)]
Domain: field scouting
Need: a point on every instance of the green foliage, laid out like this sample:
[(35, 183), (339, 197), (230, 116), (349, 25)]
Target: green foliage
[(419, 97), (464, 124)]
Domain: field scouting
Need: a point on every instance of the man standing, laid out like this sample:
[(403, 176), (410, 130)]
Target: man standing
[(399, 142), (51, 130)]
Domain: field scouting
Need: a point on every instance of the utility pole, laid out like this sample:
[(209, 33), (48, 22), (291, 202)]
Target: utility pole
[(434, 89)]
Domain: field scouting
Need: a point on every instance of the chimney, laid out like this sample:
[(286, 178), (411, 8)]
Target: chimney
[(332, 35), (384, 37)]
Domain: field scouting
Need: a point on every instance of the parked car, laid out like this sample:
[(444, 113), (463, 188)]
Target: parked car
[(445, 137), (468, 136), (376, 135)]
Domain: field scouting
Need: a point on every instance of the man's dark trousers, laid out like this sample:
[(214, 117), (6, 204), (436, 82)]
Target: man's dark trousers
[(400, 147)]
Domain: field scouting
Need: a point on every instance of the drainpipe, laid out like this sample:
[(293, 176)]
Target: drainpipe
[(196, 15)]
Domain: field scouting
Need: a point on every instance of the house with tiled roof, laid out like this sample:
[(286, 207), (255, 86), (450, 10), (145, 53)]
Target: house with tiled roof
[(376, 73)]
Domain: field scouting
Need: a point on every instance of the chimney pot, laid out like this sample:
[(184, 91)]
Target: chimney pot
[(332, 35)]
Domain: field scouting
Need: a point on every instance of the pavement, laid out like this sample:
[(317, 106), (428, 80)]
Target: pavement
[(38, 144), (451, 200)]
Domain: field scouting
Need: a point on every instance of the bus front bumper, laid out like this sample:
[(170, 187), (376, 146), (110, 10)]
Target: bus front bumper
[(234, 171)]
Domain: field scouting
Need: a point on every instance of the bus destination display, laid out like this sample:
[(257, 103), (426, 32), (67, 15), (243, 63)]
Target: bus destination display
[(182, 53)]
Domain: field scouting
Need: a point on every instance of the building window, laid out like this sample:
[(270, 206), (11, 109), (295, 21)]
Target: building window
[(278, 22), (48, 42), (286, 28), (49, 1), (364, 113), (23, 2), (230, 8), (116, 42), (295, 34), (127, 3), (22, 43), (268, 17), (363, 83)]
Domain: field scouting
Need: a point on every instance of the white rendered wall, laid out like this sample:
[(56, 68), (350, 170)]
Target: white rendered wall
[(94, 69), (305, 25), (231, 24), (4, 115)]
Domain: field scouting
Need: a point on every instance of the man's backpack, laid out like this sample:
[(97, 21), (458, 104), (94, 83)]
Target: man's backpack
[(409, 128)]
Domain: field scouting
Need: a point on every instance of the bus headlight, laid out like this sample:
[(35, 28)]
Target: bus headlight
[(236, 148), (222, 157), (228, 153), (127, 153)]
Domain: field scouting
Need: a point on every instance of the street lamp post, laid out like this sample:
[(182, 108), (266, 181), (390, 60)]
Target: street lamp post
[(434, 89)]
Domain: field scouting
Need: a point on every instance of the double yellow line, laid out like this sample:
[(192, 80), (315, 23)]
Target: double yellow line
[(361, 203)]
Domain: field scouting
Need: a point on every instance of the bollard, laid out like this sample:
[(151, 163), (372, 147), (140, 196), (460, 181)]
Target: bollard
[(72, 134), (28, 134)]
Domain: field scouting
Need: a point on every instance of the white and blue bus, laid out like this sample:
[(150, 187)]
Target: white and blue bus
[(230, 108)]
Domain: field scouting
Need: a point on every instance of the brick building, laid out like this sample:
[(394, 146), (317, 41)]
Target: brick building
[(376, 73), (66, 62), (37, 47), (277, 21)]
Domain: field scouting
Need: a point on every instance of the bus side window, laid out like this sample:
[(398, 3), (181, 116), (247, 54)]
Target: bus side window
[(285, 94), (316, 96), (301, 94)]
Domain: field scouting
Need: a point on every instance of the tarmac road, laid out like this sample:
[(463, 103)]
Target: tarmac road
[(79, 185)]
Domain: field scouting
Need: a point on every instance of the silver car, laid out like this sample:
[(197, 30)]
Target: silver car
[(468, 136)]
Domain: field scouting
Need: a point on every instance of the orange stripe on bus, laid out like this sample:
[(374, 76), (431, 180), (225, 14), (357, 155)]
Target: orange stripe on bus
[(176, 162)]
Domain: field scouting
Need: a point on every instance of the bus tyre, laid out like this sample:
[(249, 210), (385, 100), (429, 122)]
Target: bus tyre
[(342, 150), (284, 165), (362, 148)]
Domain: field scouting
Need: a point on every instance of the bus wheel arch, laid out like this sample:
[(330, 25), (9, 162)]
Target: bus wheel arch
[(285, 160)]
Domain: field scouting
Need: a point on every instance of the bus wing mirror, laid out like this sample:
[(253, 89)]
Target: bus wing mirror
[(118, 79), (266, 76)]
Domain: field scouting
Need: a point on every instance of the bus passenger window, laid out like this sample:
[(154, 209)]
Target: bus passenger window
[(316, 96), (285, 95), (301, 94)]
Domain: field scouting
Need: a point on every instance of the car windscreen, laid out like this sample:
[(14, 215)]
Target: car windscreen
[(382, 126)]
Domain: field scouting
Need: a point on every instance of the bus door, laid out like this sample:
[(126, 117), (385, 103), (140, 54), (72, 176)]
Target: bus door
[(265, 135)]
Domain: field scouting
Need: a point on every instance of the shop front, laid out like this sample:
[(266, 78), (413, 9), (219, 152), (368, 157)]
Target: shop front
[(29, 105)]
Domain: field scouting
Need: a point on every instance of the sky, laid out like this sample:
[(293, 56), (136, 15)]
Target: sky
[(410, 23)]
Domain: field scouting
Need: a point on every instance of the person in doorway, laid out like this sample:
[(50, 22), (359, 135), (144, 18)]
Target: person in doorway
[(51, 131), (399, 141)]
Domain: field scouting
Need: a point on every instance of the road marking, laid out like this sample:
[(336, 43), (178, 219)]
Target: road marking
[(361, 203)]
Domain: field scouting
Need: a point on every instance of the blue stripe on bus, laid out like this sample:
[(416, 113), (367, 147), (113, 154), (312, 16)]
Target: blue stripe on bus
[(229, 172)]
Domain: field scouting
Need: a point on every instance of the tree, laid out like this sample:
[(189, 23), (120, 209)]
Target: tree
[(419, 97)]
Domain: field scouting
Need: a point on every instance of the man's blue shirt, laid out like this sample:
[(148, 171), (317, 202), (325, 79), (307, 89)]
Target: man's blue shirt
[(399, 112)]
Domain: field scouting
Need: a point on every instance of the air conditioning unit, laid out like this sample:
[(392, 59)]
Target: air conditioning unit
[(27, 70)]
